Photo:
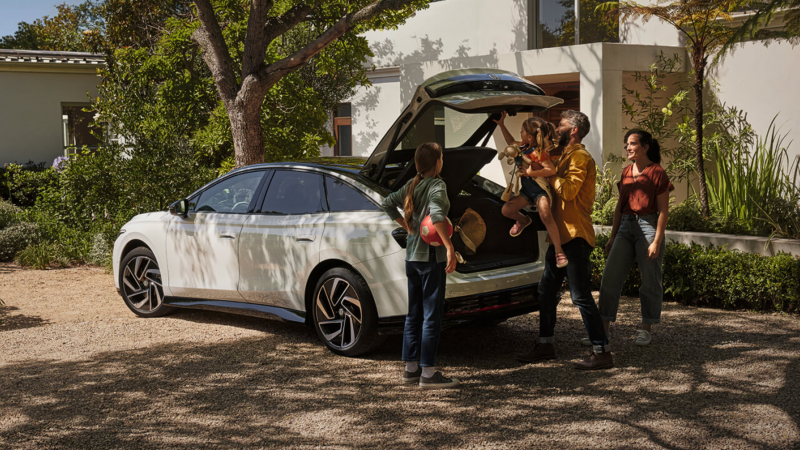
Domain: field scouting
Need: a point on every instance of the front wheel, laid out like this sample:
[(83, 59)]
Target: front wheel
[(140, 284), (344, 313)]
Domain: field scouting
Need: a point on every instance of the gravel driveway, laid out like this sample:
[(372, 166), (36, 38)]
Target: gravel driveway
[(79, 370)]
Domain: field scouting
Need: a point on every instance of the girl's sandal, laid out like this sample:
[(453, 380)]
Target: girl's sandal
[(561, 260)]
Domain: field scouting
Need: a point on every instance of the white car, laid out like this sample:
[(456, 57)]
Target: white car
[(308, 242)]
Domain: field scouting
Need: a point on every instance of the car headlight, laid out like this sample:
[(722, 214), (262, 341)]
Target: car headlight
[(121, 232)]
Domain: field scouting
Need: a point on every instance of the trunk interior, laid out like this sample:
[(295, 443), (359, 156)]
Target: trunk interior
[(499, 249), (466, 190)]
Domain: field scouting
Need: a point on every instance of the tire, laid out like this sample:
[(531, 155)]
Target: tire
[(344, 313), (140, 284)]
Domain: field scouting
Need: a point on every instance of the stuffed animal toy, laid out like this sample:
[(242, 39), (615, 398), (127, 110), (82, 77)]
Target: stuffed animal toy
[(514, 156)]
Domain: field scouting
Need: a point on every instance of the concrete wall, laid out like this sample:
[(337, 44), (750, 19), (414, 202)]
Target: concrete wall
[(30, 112)]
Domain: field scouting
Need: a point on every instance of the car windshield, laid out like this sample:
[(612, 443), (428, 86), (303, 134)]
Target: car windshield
[(446, 126)]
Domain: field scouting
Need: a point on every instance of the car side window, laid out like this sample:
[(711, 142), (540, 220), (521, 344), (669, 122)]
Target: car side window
[(231, 195), (342, 197), (294, 192)]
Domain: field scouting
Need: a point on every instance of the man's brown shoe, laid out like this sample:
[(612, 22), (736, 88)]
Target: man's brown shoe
[(540, 352), (596, 361)]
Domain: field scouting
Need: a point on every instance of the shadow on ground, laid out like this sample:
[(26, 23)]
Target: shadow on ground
[(701, 384)]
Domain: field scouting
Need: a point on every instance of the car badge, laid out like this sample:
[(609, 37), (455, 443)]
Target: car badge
[(494, 77)]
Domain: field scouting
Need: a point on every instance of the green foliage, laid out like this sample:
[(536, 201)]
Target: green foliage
[(605, 196), (605, 214), (42, 255), (8, 214), (717, 277), (16, 237), (651, 110), (23, 183), (755, 187), (75, 29)]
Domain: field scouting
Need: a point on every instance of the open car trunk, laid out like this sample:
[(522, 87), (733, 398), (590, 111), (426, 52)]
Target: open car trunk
[(458, 109)]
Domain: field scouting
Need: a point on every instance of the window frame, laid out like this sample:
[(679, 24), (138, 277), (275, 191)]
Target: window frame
[(323, 197), (344, 182), (253, 201)]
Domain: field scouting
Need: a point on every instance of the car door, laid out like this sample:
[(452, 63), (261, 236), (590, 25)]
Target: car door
[(202, 248), (281, 240)]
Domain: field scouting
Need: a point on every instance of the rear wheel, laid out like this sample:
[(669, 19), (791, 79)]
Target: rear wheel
[(344, 313), (140, 284)]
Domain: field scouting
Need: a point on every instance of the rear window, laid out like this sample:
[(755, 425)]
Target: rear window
[(445, 126)]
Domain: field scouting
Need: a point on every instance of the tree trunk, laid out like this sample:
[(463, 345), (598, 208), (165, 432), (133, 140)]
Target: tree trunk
[(699, 62), (248, 138)]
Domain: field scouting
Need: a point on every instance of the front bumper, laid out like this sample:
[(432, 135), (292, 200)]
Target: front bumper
[(489, 306)]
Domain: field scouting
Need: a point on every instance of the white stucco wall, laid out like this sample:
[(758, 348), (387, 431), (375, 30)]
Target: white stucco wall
[(454, 29), (30, 112), (762, 81)]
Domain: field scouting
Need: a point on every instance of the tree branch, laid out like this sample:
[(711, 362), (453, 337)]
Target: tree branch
[(270, 74), (276, 26), (215, 52), (255, 44)]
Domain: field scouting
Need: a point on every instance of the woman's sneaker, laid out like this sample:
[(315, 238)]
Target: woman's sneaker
[(516, 230), (437, 381), (644, 337)]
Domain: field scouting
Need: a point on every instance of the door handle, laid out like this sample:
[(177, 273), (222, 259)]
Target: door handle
[(306, 238), (227, 236)]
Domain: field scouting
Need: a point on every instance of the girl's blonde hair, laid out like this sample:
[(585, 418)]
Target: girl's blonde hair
[(425, 159), (543, 132)]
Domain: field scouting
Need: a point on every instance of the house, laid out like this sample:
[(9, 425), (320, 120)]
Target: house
[(522, 36), (43, 97)]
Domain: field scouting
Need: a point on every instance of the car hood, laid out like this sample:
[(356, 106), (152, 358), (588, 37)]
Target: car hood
[(471, 91)]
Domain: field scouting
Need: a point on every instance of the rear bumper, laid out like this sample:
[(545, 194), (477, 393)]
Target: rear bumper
[(490, 306)]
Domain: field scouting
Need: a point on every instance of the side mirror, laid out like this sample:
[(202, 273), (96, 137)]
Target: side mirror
[(179, 208)]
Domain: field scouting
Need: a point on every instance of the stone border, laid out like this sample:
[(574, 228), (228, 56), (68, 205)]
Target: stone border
[(748, 244)]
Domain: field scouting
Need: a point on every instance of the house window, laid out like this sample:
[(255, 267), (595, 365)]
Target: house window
[(342, 130), (555, 23), (77, 127)]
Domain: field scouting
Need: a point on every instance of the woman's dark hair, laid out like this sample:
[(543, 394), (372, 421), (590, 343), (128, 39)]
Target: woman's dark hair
[(425, 158), (646, 139)]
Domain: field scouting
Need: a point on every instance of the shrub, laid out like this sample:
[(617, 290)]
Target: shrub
[(605, 215), (717, 277), (15, 238), (24, 183), (101, 252), (8, 214)]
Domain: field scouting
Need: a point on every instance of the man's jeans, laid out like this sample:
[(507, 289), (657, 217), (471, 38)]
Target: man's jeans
[(634, 236), (426, 288), (579, 272)]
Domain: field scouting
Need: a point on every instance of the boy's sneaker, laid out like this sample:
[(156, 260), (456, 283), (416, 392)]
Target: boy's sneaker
[(412, 377), (516, 230), (437, 381), (644, 337)]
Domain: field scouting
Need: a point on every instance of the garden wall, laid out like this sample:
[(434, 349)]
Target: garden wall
[(749, 244)]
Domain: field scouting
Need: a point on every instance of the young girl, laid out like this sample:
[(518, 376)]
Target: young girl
[(426, 266), (537, 142)]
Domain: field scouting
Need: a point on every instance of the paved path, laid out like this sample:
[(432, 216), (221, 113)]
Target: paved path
[(78, 370)]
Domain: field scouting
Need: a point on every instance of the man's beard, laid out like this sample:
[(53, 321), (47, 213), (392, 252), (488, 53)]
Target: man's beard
[(563, 138)]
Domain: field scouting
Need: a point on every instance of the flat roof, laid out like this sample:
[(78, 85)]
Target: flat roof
[(48, 57)]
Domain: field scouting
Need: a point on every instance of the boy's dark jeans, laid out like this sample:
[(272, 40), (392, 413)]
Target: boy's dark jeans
[(579, 272), (426, 288)]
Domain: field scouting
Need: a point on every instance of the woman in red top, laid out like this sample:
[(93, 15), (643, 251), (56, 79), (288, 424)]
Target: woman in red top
[(638, 233)]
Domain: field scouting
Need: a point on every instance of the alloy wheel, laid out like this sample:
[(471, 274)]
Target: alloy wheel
[(338, 313), (141, 281)]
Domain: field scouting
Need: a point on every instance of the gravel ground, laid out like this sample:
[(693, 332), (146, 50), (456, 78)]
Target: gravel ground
[(79, 370)]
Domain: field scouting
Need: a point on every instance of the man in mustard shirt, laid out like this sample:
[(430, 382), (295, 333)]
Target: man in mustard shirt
[(573, 187)]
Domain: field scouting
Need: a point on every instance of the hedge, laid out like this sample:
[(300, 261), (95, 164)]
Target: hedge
[(717, 277)]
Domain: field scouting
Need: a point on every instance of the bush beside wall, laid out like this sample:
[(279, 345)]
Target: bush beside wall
[(716, 277)]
